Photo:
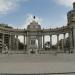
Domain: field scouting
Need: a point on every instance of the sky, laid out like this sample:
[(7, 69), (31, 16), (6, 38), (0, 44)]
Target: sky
[(49, 13)]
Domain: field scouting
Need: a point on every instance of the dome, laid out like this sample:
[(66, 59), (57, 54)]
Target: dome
[(34, 25), (72, 11)]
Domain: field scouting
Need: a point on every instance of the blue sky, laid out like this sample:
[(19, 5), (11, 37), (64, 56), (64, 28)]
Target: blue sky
[(49, 13)]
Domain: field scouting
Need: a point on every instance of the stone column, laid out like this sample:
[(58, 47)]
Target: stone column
[(73, 37), (71, 42), (40, 42), (3, 42), (43, 41), (64, 42), (51, 41), (27, 42), (10, 42), (24, 42), (14, 42), (17, 42), (57, 42)]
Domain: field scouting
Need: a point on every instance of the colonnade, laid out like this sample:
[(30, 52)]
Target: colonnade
[(39, 42), (10, 42), (63, 41)]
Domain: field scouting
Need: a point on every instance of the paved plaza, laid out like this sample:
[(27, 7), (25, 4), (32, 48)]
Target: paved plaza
[(27, 64)]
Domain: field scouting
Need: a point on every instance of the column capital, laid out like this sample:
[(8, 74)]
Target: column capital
[(51, 35), (64, 34), (16, 35), (43, 35), (58, 34)]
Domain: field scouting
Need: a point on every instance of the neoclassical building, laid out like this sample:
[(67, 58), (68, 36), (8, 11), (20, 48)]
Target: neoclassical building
[(34, 37)]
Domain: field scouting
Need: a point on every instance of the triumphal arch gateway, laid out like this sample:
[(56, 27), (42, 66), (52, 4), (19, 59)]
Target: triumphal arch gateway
[(34, 37)]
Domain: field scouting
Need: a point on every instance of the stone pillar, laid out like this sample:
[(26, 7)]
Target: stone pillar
[(64, 42), (3, 42), (73, 36), (14, 42), (10, 42), (51, 41), (24, 42), (57, 42), (70, 39), (27, 42), (40, 42), (17, 42), (43, 41)]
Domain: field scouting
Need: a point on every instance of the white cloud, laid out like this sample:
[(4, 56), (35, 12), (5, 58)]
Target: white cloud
[(8, 5), (67, 3)]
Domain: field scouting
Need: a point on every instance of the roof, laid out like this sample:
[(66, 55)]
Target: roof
[(34, 25)]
